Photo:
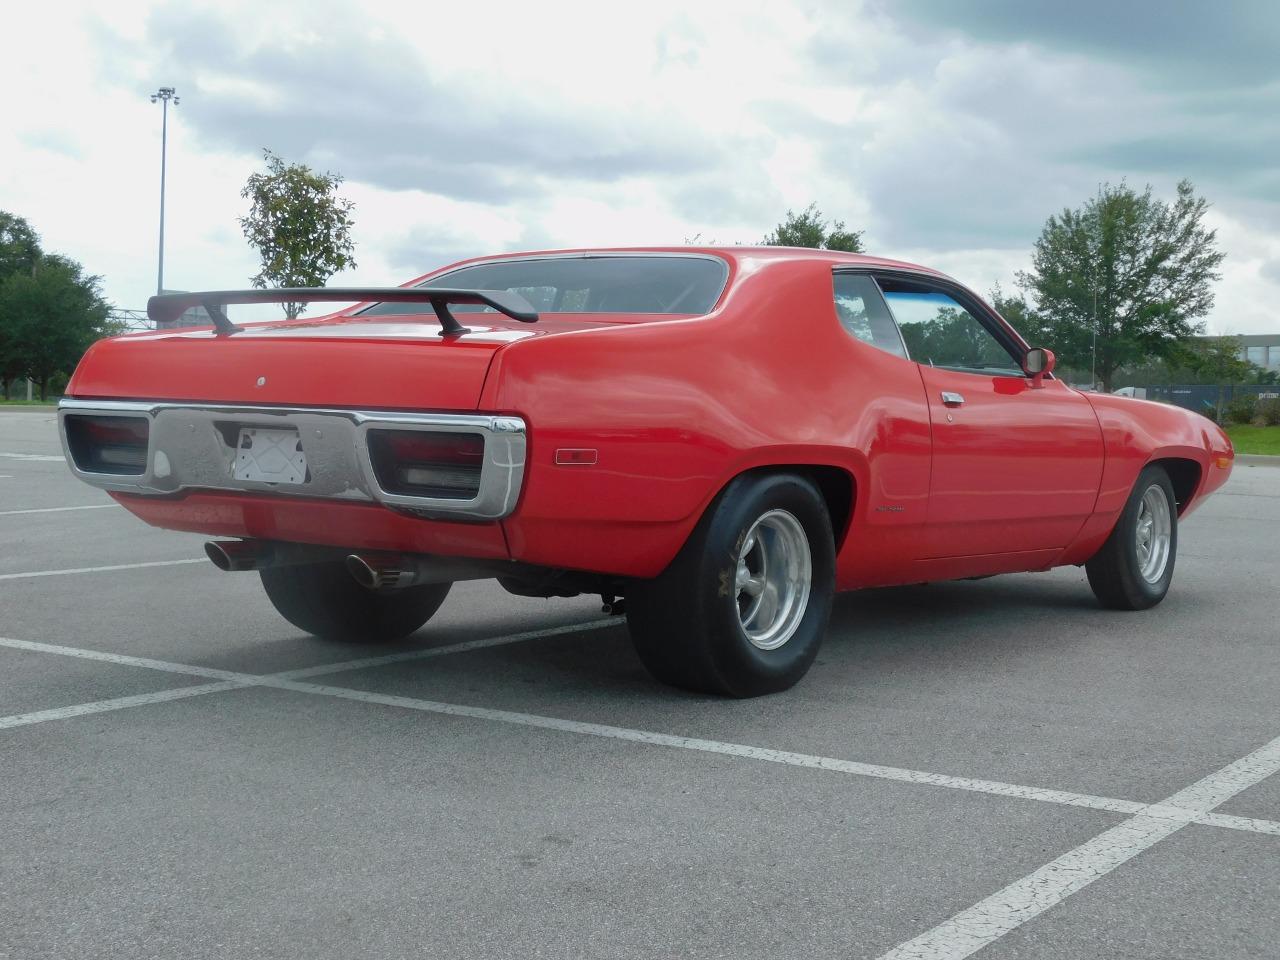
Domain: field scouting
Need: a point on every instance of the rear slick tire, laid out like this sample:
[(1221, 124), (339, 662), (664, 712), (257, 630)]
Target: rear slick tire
[(743, 608), (1134, 568), (323, 599)]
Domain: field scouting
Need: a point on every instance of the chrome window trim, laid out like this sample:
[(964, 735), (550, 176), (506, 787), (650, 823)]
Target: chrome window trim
[(186, 451)]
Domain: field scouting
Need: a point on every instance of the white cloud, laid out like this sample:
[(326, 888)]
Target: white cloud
[(466, 129)]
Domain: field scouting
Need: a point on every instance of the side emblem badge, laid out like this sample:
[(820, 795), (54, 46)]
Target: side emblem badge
[(262, 381)]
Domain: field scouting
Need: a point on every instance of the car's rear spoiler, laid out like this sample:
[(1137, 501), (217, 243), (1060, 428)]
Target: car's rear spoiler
[(170, 306)]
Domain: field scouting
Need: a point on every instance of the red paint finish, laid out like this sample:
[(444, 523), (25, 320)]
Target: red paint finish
[(1015, 467), (325, 522), (1138, 432), (295, 372), (676, 409), (673, 408)]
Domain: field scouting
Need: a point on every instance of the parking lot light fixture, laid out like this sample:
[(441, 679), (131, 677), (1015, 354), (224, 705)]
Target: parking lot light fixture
[(163, 96)]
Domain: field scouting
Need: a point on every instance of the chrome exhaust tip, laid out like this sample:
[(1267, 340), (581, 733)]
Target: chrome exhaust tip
[(234, 556), (380, 572)]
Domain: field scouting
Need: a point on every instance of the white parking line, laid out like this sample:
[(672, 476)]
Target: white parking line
[(118, 703), (409, 655), (91, 506), (988, 920), (33, 456), (107, 569), (1168, 812), (120, 659), (229, 680)]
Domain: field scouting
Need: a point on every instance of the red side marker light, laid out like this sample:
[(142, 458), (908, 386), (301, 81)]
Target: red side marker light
[(576, 457)]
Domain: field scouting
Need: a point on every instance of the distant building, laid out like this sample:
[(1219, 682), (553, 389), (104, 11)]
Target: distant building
[(1262, 349)]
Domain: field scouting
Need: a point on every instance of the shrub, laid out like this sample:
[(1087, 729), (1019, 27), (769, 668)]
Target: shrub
[(1241, 410), (1267, 412)]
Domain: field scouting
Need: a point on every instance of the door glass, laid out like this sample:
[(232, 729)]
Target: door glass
[(862, 313), (941, 333)]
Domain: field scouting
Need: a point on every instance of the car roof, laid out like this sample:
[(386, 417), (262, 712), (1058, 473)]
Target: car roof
[(734, 254)]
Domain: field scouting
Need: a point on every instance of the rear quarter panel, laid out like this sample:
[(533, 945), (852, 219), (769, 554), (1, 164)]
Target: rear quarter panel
[(675, 409)]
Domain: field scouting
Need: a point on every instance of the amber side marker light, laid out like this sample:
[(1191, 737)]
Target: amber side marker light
[(115, 445), (576, 457), (1222, 462)]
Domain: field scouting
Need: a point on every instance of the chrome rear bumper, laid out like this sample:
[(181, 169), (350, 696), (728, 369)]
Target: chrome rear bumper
[(188, 449)]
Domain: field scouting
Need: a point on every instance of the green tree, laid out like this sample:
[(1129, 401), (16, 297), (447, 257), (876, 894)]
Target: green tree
[(810, 228), (952, 338), (19, 245), (1021, 316), (1134, 268), (299, 225), (19, 252), (48, 318)]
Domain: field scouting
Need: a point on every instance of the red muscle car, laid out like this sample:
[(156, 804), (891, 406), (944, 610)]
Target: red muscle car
[(716, 440)]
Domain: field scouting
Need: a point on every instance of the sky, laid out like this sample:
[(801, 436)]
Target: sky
[(947, 130)]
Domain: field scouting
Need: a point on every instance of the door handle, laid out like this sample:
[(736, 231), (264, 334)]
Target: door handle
[(950, 399)]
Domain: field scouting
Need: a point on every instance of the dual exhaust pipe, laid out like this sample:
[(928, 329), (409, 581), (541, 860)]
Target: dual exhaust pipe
[(375, 571)]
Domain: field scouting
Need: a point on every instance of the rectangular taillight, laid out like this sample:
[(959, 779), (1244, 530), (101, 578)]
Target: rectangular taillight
[(427, 463), (116, 445)]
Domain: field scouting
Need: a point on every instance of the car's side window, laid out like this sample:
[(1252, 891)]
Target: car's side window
[(862, 312), (939, 331)]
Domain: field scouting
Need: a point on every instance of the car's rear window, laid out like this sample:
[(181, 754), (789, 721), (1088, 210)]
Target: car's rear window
[(588, 284)]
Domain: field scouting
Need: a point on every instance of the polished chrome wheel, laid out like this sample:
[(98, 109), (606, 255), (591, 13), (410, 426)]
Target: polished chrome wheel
[(1152, 534), (774, 572)]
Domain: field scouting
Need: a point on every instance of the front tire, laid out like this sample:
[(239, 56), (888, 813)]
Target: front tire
[(323, 599), (742, 609), (1134, 568)]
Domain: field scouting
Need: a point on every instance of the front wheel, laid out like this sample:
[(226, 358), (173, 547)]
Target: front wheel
[(323, 599), (742, 609), (1134, 568)]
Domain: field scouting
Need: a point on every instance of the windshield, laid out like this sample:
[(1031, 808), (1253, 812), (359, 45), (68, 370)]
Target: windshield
[(592, 284)]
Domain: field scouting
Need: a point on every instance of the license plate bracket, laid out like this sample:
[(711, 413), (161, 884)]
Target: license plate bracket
[(270, 455)]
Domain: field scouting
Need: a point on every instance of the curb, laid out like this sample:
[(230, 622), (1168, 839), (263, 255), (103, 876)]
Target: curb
[(28, 408), (1257, 460)]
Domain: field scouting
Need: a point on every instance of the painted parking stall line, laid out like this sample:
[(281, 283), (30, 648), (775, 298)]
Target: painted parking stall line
[(230, 680), (37, 457), (1170, 813), (30, 575), (90, 506), (1004, 911), (117, 703), (123, 660), (463, 647)]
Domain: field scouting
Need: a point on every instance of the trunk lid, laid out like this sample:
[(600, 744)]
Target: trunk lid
[(390, 362)]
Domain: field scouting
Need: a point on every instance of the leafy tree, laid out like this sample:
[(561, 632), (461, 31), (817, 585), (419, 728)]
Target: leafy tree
[(19, 252), (1144, 267), (48, 318), (299, 225), (19, 245), (1021, 316), (809, 228), (952, 338)]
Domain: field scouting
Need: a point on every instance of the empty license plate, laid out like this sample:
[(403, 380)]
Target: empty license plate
[(270, 456)]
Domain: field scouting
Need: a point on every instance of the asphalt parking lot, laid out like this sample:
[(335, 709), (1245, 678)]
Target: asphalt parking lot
[(996, 765)]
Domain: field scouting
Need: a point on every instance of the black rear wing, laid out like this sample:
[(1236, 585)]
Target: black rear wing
[(168, 307)]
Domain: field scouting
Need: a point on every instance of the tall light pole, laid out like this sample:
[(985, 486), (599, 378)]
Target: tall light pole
[(1093, 373), (163, 95)]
